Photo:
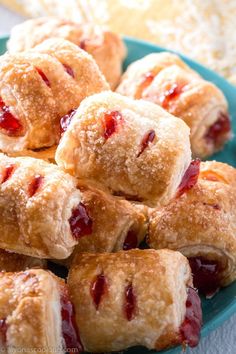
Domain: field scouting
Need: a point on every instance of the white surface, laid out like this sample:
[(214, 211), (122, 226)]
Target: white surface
[(220, 341)]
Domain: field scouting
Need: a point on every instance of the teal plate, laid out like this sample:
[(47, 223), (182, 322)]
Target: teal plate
[(223, 304)]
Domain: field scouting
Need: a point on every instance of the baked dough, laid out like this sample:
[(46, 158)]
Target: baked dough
[(202, 222), (31, 312), (13, 262), (129, 298), (40, 87), (106, 47), (37, 200), (163, 78), (116, 223), (133, 148)]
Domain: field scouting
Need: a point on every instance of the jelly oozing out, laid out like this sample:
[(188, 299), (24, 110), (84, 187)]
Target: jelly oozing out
[(147, 80), (34, 185), (190, 177), (131, 241), (130, 302), (7, 172), (110, 123), (66, 120), (171, 94), (69, 329), (218, 132), (69, 70), (205, 275), (3, 332), (8, 121), (148, 138), (80, 221), (191, 326), (97, 290), (44, 77)]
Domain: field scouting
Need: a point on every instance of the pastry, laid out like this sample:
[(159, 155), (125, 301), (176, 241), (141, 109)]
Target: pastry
[(164, 79), (201, 224), (134, 148), (39, 88), (36, 314), (115, 223), (13, 262), (39, 208), (135, 297), (106, 47)]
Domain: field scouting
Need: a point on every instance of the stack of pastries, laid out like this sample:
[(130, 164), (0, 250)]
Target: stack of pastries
[(91, 178)]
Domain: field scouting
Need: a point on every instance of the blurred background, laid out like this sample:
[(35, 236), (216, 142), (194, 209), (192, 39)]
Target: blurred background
[(203, 30)]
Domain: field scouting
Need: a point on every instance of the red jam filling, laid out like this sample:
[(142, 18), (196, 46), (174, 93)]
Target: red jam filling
[(148, 78), (217, 134), (7, 172), (66, 120), (205, 275), (69, 70), (148, 138), (69, 329), (171, 94), (80, 222), (44, 77), (191, 326), (34, 185), (3, 332), (190, 177), (130, 302), (9, 122), (131, 241), (110, 122), (98, 288), (82, 44)]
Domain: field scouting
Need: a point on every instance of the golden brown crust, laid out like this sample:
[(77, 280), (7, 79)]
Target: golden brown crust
[(151, 176), (106, 47), (199, 103), (13, 262), (202, 222), (159, 280), (112, 219), (38, 90), (36, 225), (30, 308)]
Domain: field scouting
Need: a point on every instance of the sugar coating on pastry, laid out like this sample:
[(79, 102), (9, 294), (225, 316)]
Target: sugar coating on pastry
[(14, 262), (129, 298), (116, 223), (106, 47), (201, 224), (164, 79), (132, 147), (30, 311), (38, 88), (38, 207)]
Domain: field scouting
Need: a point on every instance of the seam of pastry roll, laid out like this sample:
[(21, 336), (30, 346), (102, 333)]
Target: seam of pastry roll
[(211, 252)]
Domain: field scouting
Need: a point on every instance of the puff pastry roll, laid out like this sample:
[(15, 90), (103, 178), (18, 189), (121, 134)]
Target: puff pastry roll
[(133, 148), (39, 88), (13, 262), (39, 208), (201, 224), (36, 314), (106, 47), (115, 223), (164, 79), (129, 304)]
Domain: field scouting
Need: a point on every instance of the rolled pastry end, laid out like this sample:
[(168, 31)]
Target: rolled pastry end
[(128, 304)]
